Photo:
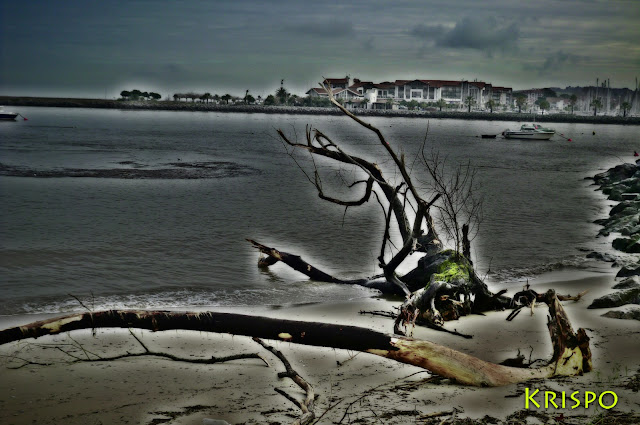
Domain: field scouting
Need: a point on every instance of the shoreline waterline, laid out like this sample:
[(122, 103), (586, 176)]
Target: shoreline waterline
[(303, 110)]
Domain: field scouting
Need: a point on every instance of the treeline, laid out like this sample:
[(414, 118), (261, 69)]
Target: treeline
[(139, 95)]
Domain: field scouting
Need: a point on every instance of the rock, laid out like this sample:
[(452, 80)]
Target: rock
[(602, 257), (617, 299), (633, 314), (627, 271), (626, 245), (631, 282), (616, 174)]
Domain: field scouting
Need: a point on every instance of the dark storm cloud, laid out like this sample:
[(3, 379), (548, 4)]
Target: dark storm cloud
[(324, 28), (233, 45), (422, 31), (487, 34), (557, 61)]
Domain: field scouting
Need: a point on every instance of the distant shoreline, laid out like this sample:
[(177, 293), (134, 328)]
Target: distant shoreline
[(302, 110)]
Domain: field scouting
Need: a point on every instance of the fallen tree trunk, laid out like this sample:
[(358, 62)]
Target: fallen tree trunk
[(571, 354)]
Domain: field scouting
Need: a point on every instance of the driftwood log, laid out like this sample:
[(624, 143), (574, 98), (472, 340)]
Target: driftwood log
[(571, 354)]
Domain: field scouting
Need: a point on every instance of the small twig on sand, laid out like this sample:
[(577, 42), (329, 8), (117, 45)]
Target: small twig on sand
[(307, 406)]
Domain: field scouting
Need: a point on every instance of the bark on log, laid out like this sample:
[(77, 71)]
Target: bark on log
[(571, 351), (297, 263)]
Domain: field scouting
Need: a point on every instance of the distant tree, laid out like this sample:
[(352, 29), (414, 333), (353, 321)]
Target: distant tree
[(282, 94), (125, 94), (565, 95), (259, 99), (544, 105), (596, 104), (364, 102), (155, 96), (246, 93), (249, 99), (176, 97), (226, 98), (145, 95), (413, 104), (572, 101), (441, 103), (389, 104), (216, 97), (470, 101), (270, 100), (625, 107), (490, 105), (205, 97), (521, 102), (135, 94), (549, 93)]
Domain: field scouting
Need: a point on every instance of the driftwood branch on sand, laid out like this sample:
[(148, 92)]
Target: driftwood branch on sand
[(571, 354)]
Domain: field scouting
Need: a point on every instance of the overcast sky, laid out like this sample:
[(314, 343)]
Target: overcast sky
[(97, 48)]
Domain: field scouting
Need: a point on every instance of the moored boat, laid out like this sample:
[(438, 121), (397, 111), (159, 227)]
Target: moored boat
[(530, 131), (7, 116)]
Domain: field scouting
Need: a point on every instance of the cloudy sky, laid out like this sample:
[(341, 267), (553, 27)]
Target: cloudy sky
[(98, 48)]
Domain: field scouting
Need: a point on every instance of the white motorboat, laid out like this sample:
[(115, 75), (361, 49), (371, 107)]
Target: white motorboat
[(530, 131), (7, 116)]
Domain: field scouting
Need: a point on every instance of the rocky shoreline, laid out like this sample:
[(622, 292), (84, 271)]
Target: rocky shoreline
[(622, 184), (302, 110)]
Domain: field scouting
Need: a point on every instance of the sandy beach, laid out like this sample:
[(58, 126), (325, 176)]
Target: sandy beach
[(351, 387)]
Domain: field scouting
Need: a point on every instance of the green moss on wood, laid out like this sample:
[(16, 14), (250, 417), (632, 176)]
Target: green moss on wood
[(452, 270)]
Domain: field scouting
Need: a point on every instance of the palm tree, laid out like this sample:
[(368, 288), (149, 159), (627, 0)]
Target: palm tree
[(521, 102), (625, 107), (572, 101), (249, 99), (246, 94), (490, 104), (216, 97), (259, 99), (226, 98), (470, 101), (441, 103), (282, 95), (205, 97), (596, 104), (390, 103), (364, 102)]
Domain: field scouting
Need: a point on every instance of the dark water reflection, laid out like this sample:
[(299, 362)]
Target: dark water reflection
[(146, 241)]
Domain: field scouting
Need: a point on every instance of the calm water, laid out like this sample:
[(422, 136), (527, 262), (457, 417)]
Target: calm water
[(153, 243)]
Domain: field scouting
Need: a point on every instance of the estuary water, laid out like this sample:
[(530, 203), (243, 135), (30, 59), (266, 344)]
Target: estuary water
[(150, 209)]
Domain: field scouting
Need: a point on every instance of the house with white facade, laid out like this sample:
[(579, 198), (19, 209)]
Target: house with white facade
[(387, 95)]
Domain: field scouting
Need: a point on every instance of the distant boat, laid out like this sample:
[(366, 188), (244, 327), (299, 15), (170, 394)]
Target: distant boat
[(489, 136), (529, 131), (7, 116)]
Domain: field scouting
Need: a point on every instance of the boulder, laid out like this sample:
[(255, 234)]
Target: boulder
[(617, 299), (629, 270), (633, 314), (602, 257), (630, 246), (630, 282)]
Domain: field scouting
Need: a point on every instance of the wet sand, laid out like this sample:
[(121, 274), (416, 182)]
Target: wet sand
[(357, 388)]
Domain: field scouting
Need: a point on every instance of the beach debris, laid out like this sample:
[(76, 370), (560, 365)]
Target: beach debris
[(571, 354)]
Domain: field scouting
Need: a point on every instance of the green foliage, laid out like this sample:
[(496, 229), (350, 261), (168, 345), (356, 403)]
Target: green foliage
[(452, 270), (270, 100), (521, 102), (282, 94), (470, 101), (544, 105)]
